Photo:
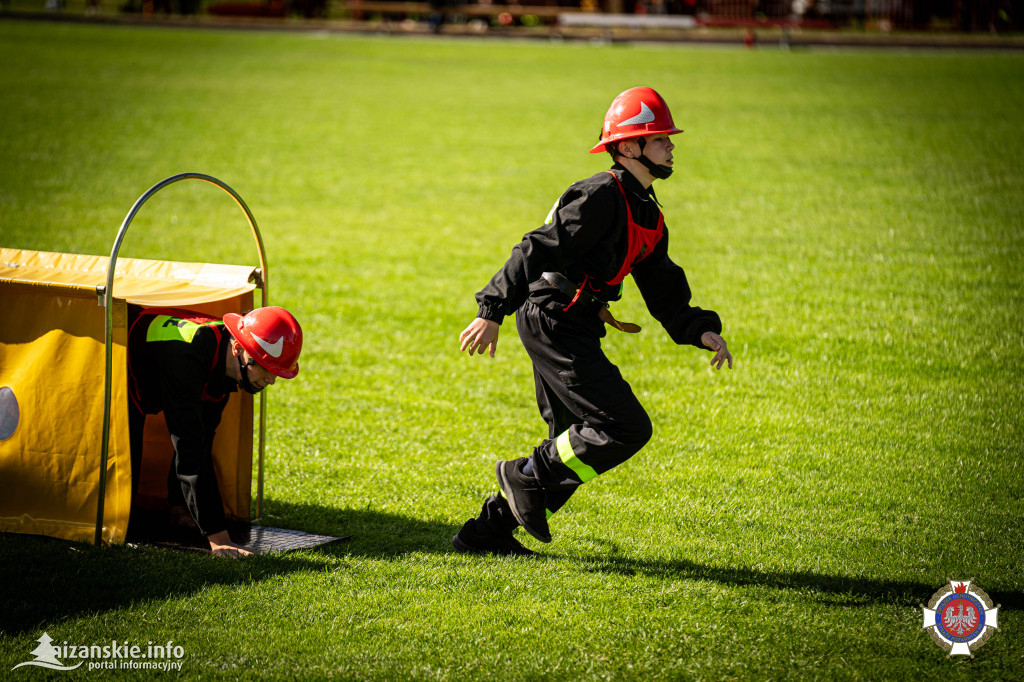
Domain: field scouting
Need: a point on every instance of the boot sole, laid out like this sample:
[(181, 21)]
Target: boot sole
[(510, 496), (466, 549)]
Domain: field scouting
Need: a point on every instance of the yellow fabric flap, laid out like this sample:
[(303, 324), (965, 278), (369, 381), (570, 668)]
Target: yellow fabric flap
[(149, 283)]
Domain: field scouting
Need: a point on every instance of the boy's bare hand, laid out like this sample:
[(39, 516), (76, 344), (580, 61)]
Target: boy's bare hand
[(221, 545), (717, 344), (481, 334)]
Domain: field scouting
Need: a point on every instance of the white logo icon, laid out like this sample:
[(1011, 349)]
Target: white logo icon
[(273, 349), (46, 656), (645, 116), (113, 656)]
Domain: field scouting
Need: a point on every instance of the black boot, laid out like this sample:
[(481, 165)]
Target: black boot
[(477, 538), (525, 496)]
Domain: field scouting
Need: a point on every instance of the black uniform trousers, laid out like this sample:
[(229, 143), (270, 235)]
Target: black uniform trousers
[(191, 482), (595, 422)]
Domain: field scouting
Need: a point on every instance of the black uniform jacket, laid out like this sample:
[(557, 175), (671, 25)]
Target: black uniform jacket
[(187, 381), (586, 234)]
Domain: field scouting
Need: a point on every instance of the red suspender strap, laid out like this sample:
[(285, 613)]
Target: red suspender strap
[(640, 241)]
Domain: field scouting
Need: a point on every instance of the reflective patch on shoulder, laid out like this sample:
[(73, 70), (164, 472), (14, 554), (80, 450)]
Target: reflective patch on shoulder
[(551, 213), (167, 328)]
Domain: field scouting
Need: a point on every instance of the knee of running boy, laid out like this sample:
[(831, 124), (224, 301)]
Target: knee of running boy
[(636, 432)]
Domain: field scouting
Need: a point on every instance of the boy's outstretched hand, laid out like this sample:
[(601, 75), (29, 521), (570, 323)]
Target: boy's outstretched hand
[(717, 344), (481, 334)]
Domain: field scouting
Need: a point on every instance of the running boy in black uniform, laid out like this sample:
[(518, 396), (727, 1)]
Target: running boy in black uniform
[(558, 282)]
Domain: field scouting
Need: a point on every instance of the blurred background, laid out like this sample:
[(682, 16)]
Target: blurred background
[(607, 19)]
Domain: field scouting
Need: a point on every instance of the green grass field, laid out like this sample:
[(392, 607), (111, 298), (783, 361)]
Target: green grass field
[(855, 217)]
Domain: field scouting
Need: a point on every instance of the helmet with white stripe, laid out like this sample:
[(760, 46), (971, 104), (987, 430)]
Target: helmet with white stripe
[(637, 112), (272, 336)]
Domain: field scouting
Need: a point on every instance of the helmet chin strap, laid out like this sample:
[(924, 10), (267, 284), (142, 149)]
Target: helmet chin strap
[(243, 371), (659, 171)]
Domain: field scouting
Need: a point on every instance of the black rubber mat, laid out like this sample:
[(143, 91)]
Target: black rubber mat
[(264, 540), (256, 539)]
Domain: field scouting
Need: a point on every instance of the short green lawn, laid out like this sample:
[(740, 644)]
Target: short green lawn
[(855, 217)]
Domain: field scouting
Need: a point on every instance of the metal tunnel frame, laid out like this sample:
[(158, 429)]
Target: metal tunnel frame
[(106, 300)]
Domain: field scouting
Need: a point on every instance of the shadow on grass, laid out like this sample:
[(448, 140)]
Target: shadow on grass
[(386, 535), (45, 580), (374, 533), (832, 589)]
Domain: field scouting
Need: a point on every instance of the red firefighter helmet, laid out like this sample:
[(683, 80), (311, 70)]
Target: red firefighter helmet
[(271, 336), (635, 113)]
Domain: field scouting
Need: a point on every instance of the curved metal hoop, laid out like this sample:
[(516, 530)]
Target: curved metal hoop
[(108, 297)]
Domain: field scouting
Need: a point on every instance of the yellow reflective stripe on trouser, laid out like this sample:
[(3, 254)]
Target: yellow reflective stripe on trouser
[(570, 459)]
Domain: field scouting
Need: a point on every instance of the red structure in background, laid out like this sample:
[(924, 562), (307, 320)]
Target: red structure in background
[(991, 16)]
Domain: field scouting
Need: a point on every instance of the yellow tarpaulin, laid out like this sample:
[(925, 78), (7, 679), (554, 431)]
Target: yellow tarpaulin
[(52, 359)]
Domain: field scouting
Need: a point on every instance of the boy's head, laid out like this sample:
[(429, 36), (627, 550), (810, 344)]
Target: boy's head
[(639, 116), (266, 342)]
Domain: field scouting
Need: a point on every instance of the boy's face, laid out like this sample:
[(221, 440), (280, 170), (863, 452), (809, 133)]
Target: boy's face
[(659, 149), (259, 378)]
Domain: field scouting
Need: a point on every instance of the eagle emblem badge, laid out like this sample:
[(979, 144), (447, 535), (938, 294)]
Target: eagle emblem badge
[(960, 618)]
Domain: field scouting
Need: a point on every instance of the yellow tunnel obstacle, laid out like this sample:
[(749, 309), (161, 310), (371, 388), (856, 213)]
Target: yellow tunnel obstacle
[(64, 445)]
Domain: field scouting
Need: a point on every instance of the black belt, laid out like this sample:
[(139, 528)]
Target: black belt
[(567, 287)]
